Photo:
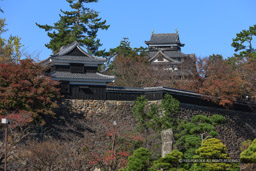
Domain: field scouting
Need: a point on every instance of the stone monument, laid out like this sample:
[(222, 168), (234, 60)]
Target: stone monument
[(167, 141)]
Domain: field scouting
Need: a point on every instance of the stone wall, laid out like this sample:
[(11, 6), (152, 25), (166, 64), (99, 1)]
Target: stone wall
[(239, 126)]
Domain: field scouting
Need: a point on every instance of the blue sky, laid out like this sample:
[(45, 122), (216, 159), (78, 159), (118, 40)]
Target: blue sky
[(205, 26)]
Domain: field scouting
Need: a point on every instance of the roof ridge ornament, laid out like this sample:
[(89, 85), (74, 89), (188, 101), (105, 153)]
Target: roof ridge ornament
[(153, 32), (76, 42), (177, 35), (177, 32)]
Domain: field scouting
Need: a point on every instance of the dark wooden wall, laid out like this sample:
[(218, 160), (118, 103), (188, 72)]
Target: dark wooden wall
[(87, 92), (123, 96)]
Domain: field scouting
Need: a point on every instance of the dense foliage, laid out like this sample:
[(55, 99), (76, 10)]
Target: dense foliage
[(224, 84), (139, 161), (249, 155), (80, 24), (171, 161), (193, 133), (24, 87), (225, 81), (214, 149), (150, 118)]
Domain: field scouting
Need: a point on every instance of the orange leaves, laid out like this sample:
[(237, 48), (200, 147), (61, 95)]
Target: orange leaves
[(224, 83)]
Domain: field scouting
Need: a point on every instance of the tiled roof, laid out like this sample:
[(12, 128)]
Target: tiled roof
[(87, 76), (66, 49), (170, 54), (172, 38), (63, 54), (79, 58)]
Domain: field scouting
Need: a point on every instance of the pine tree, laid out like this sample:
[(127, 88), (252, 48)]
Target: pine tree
[(140, 161), (243, 42), (213, 149), (9, 48), (249, 155), (170, 162), (192, 134), (80, 24), (151, 118)]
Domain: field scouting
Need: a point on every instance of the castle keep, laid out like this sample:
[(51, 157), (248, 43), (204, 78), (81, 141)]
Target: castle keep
[(165, 52)]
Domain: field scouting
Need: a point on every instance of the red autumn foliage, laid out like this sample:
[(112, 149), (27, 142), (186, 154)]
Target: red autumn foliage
[(24, 87), (223, 83)]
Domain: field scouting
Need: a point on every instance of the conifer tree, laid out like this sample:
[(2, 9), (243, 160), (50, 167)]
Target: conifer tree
[(213, 150), (80, 24), (9, 48), (192, 134), (172, 161), (140, 161), (249, 155), (243, 42)]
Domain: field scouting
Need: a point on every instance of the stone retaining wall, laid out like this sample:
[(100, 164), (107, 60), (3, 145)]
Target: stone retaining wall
[(239, 126)]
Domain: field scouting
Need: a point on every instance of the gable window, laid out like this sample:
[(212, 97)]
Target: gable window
[(160, 58), (77, 68)]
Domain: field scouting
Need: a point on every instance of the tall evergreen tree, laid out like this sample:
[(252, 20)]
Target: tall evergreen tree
[(243, 42), (80, 24)]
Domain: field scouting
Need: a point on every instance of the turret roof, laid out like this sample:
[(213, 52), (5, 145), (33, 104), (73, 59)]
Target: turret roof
[(166, 38), (65, 55)]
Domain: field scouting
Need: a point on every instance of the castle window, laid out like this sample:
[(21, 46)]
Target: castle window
[(88, 69), (77, 68), (64, 68)]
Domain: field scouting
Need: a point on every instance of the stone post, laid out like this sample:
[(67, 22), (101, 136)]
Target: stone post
[(167, 141)]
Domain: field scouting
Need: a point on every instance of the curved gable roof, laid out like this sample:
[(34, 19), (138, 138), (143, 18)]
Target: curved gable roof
[(65, 55)]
